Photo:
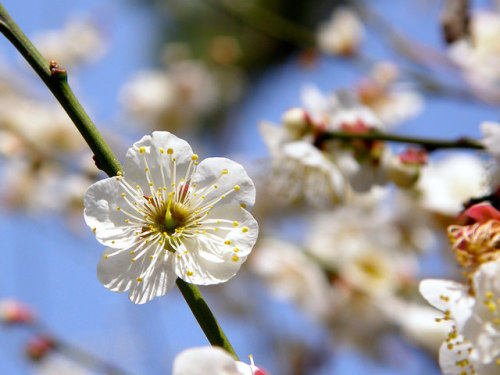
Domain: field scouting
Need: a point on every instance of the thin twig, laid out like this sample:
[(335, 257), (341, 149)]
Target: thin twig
[(427, 143)]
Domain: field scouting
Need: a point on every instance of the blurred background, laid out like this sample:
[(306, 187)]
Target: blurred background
[(211, 71)]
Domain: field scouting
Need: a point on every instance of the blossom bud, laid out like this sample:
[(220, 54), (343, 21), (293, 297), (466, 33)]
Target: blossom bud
[(296, 122), (13, 311), (38, 346), (404, 169)]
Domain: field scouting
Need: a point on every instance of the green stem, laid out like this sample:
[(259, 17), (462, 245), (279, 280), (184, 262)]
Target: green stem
[(427, 143), (56, 80), (204, 316)]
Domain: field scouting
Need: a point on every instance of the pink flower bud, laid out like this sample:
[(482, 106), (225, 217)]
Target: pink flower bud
[(38, 346), (13, 311)]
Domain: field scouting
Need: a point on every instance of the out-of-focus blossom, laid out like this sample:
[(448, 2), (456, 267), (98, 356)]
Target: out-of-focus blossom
[(293, 276), (13, 311), (491, 138), (170, 216), (363, 249), (307, 163), (299, 170), (417, 322), (80, 41), (39, 346), (11, 144), (56, 364), (342, 34), (177, 97), (472, 346), (41, 185), (43, 127), (210, 360), (393, 103), (447, 184), (479, 57), (404, 169), (365, 258), (338, 110)]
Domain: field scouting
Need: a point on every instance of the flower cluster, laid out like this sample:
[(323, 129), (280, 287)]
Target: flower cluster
[(307, 164)]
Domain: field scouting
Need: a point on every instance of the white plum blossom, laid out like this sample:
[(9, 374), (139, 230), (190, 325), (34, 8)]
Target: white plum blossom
[(293, 276), (479, 56), (416, 322), (392, 102), (446, 184), (209, 360), (491, 138), (341, 34), (55, 364), (172, 98), (299, 170), (473, 345), (363, 248), (79, 41), (169, 216), (338, 109)]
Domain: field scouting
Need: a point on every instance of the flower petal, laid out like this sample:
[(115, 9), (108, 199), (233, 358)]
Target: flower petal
[(215, 257), (152, 152), (449, 296), (215, 177), (106, 212), (202, 267), (158, 283), (243, 229), (205, 360), (117, 272)]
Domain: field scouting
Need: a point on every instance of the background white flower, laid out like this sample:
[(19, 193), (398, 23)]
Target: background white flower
[(211, 360), (168, 215), (446, 184)]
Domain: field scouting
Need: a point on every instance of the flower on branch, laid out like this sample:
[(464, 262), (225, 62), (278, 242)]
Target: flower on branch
[(472, 346), (169, 216), (208, 360)]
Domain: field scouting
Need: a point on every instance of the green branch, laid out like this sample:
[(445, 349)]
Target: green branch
[(204, 316), (57, 81), (427, 143)]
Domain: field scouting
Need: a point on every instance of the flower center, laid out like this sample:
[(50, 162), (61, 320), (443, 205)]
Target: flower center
[(166, 218), (176, 216)]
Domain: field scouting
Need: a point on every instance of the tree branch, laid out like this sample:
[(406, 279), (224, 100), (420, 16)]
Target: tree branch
[(427, 143)]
